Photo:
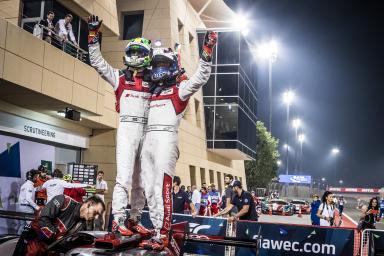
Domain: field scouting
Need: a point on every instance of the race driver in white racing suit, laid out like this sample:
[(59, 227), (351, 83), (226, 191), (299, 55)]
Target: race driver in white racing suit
[(132, 90), (160, 147)]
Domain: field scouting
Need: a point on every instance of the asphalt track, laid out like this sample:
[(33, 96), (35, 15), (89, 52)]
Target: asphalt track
[(305, 219)]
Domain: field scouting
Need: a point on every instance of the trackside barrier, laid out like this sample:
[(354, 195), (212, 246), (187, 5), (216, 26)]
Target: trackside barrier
[(372, 242), (273, 239)]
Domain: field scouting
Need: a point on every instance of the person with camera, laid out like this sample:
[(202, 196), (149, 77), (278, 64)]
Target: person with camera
[(369, 215), (326, 211)]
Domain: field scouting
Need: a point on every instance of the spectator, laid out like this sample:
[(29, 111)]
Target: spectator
[(196, 198), (228, 179), (369, 215), (64, 29), (243, 201), (314, 208), (101, 190), (203, 185), (189, 192), (101, 185), (41, 194), (342, 202), (56, 185), (326, 211), (61, 209), (180, 198), (27, 197), (215, 199), (205, 203), (48, 26), (182, 188), (381, 208), (74, 193)]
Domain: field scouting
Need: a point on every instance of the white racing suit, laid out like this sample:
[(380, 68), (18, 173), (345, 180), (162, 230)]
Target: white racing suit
[(160, 148), (132, 103)]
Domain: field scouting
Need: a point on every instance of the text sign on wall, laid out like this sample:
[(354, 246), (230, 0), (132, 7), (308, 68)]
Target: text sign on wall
[(22, 126)]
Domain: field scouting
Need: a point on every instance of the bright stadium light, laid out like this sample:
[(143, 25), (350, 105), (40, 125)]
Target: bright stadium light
[(288, 97), (335, 151), (296, 123), (268, 51), (301, 138), (241, 22)]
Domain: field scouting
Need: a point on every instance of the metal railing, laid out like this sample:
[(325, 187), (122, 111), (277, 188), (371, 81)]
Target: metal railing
[(51, 37), (367, 247)]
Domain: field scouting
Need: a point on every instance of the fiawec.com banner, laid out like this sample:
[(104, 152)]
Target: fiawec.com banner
[(280, 239)]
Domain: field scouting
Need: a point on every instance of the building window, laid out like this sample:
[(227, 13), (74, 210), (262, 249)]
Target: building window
[(211, 176), (192, 173), (219, 181), (202, 175), (133, 25), (197, 113)]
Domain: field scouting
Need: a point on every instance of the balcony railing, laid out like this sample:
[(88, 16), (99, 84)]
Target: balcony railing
[(54, 39)]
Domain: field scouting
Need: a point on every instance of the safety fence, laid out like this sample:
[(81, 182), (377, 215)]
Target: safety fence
[(372, 242), (269, 238)]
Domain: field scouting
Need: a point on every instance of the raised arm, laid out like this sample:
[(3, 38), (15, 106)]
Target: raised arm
[(107, 72), (201, 76)]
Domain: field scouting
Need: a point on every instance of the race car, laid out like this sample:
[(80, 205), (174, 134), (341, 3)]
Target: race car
[(278, 206), (304, 205)]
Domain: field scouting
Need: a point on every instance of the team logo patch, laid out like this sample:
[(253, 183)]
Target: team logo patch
[(129, 82), (167, 91), (245, 200), (145, 84)]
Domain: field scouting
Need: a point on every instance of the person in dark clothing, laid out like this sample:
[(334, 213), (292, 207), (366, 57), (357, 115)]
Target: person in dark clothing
[(228, 193), (180, 198), (314, 208), (369, 215), (60, 217), (244, 203), (48, 26)]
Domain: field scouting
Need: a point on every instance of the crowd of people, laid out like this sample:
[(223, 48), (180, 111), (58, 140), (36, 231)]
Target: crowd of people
[(234, 203), (323, 212), (40, 188)]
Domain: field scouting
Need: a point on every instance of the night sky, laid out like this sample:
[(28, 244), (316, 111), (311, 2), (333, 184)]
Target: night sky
[(332, 55)]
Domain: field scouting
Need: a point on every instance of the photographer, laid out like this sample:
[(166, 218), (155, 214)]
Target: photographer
[(326, 211), (369, 215)]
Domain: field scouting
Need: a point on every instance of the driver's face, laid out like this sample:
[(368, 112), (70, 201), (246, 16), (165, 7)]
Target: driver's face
[(93, 211)]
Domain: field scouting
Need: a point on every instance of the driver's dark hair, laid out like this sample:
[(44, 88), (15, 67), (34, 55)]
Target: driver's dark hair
[(325, 195), (96, 200)]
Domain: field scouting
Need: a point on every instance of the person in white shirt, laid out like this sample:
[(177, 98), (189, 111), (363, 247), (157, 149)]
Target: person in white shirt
[(64, 29), (27, 198), (196, 198), (101, 185), (326, 211), (101, 190), (56, 185)]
